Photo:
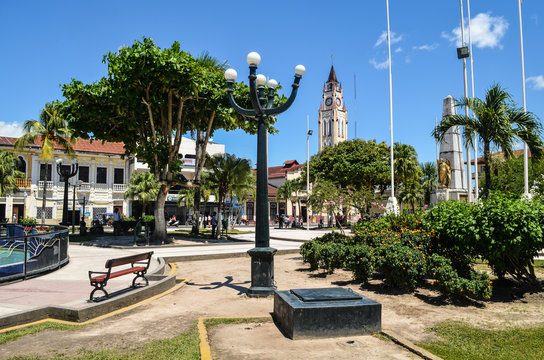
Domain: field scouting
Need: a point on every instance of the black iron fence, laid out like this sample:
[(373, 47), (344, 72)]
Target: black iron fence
[(27, 250)]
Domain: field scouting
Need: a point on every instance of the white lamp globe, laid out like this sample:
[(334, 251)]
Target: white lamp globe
[(272, 83), (231, 74), (59, 161), (261, 80), (300, 70), (253, 58)]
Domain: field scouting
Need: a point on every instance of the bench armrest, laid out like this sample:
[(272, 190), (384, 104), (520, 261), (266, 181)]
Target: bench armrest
[(91, 273)]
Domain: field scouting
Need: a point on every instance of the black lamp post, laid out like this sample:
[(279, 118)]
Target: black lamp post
[(66, 172), (262, 256)]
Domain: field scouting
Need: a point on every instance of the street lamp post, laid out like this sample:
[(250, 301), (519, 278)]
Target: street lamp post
[(308, 134), (262, 256), (66, 172), (525, 152), (74, 186), (83, 201)]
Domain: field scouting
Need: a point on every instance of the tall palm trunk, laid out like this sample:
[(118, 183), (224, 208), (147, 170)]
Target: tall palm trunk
[(44, 191), (487, 169)]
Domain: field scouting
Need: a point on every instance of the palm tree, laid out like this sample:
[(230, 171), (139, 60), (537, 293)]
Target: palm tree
[(411, 193), (144, 187), (497, 121), (9, 173), (285, 192), (226, 173), (50, 130), (428, 181)]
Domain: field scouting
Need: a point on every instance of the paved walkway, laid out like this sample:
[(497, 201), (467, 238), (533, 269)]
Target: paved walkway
[(69, 286)]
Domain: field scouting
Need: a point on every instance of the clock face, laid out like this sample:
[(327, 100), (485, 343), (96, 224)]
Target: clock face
[(338, 102), (328, 101)]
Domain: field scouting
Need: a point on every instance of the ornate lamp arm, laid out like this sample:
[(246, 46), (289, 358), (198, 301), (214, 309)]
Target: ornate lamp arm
[(253, 90), (240, 110), (270, 102), (289, 102)]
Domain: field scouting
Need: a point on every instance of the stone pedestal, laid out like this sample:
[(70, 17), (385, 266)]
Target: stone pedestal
[(441, 195), (325, 312), (262, 272)]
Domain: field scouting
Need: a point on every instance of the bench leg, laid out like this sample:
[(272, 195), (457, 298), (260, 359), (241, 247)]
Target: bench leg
[(98, 286), (136, 278)]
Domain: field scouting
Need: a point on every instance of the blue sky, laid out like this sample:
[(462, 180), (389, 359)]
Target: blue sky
[(48, 43)]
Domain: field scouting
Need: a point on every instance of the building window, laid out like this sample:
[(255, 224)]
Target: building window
[(42, 172), (118, 176), (21, 166), (48, 213), (84, 174), (101, 175), (329, 86), (97, 211)]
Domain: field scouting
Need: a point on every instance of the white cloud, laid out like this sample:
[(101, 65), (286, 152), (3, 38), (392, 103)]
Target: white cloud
[(426, 47), (486, 31), (534, 17), (13, 129), (383, 38), (537, 82), (399, 49), (379, 65)]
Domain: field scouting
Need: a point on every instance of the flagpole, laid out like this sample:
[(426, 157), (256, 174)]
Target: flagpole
[(525, 153), (392, 201)]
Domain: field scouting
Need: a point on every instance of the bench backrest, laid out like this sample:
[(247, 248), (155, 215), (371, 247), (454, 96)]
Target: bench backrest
[(128, 259)]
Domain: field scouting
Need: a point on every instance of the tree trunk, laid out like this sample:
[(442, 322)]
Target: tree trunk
[(196, 208), (487, 170), (219, 220), (159, 235), (44, 192)]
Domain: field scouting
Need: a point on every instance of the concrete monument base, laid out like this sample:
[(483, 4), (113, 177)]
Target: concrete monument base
[(326, 312), (441, 195)]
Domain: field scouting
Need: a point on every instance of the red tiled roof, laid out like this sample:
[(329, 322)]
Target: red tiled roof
[(515, 153), (272, 190), (82, 145)]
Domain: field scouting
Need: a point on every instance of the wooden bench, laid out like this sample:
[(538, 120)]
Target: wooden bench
[(139, 264)]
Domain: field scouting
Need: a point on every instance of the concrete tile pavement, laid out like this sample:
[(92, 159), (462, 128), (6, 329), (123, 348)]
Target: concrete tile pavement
[(69, 286)]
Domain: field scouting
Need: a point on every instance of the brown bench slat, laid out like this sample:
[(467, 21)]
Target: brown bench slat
[(118, 273), (127, 260)]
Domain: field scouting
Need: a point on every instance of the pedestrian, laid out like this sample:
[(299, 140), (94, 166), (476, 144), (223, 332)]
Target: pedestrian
[(116, 221), (280, 220), (14, 218), (214, 224)]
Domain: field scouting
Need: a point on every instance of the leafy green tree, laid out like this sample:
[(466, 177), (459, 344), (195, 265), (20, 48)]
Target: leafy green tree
[(9, 173), (497, 122), (50, 130), (148, 100), (327, 197), (227, 173), (428, 181), (288, 191), (144, 187), (355, 163)]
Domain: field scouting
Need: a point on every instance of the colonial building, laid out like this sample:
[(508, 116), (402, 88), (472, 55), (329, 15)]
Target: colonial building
[(333, 115), (103, 170)]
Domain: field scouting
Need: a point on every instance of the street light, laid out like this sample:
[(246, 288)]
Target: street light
[(525, 153), (66, 172), (308, 134), (75, 185), (463, 53), (262, 256), (24, 206)]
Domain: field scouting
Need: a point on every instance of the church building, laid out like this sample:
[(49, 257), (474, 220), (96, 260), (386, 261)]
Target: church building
[(333, 116)]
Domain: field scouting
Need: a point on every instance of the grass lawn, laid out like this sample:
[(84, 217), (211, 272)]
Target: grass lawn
[(184, 346), (461, 341)]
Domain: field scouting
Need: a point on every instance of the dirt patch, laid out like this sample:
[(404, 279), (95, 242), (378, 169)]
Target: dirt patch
[(218, 288)]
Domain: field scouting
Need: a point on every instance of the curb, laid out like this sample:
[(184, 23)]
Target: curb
[(409, 345), (95, 311)]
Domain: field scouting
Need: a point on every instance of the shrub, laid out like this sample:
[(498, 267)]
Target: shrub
[(448, 282), (310, 253), (402, 266), (27, 221), (360, 259), (331, 256)]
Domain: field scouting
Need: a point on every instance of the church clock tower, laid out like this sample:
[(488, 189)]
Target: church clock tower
[(333, 116)]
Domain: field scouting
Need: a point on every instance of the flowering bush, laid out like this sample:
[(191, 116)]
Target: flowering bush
[(404, 257)]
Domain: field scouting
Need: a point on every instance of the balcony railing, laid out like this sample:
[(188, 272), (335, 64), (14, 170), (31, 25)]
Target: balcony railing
[(23, 183), (119, 187), (101, 187), (49, 184)]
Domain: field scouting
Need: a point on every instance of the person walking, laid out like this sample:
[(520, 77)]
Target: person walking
[(214, 224), (116, 221)]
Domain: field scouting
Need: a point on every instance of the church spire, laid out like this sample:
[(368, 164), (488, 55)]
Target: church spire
[(332, 76)]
